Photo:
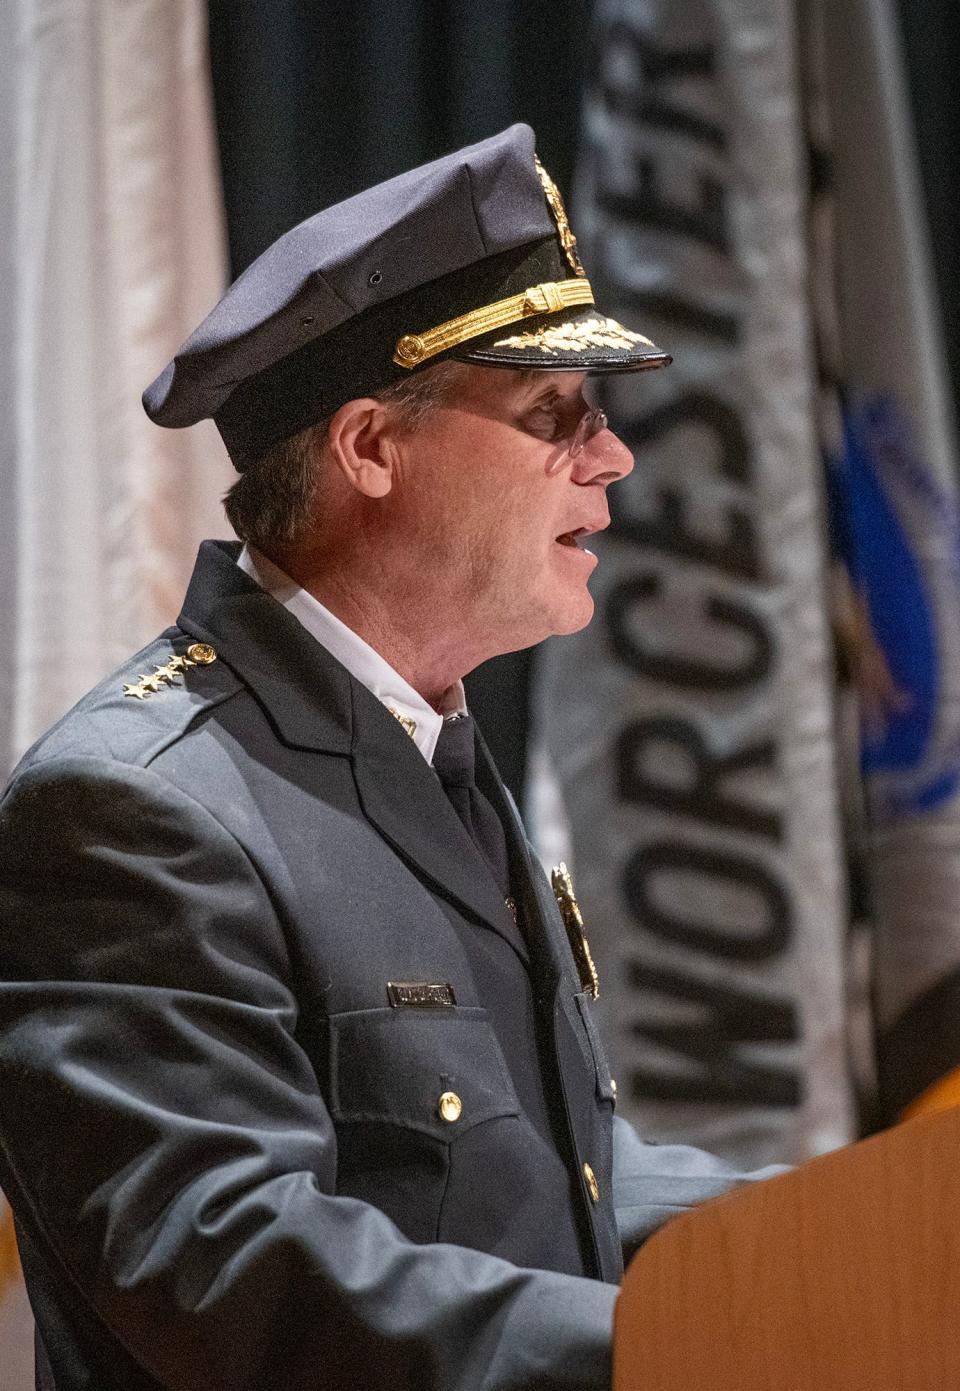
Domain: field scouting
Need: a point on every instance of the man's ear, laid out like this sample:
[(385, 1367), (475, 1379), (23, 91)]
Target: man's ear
[(359, 441)]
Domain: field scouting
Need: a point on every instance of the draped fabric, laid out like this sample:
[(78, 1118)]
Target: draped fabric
[(897, 504), (111, 249), (930, 39), (315, 102), (691, 723)]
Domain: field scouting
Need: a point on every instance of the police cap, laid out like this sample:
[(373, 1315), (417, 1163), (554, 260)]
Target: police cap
[(469, 257)]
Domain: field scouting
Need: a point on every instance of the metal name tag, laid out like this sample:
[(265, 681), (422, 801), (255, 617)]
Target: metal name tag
[(420, 994)]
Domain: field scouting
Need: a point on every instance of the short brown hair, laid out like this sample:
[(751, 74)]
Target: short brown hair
[(273, 503)]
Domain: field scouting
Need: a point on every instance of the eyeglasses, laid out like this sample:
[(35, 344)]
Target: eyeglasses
[(561, 425), (590, 424)]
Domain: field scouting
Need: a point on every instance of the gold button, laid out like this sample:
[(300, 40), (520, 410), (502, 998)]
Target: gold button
[(201, 653), (409, 351), (450, 1107), (592, 1184)]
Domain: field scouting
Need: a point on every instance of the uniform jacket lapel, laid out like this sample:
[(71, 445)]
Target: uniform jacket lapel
[(314, 703), (403, 797), (545, 933)]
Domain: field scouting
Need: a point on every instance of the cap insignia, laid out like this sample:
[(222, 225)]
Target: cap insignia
[(567, 240), (197, 654), (576, 337)]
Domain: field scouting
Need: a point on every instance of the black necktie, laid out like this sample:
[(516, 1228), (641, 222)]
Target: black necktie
[(453, 762)]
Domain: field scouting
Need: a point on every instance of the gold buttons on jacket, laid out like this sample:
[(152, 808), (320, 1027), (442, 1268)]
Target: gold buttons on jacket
[(201, 653), (592, 1185), (449, 1107)]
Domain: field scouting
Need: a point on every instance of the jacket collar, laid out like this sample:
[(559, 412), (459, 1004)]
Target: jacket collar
[(305, 692), (314, 703)]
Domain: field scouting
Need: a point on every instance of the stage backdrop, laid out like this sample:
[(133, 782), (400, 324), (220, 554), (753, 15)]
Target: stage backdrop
[(111, 249)]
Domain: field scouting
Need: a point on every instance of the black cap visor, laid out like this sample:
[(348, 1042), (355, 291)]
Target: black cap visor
[(574, 340)]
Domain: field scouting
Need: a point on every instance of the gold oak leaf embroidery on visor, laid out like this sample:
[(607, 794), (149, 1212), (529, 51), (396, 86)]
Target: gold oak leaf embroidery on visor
[(576, 337)]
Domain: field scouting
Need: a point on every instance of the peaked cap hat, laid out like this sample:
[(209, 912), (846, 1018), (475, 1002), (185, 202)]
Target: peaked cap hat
[(469, 257)]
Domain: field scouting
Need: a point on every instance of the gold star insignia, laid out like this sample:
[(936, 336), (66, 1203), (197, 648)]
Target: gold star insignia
[(197, 654)]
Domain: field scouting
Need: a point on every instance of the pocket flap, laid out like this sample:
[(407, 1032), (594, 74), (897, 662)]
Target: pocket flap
[(439, 1071)]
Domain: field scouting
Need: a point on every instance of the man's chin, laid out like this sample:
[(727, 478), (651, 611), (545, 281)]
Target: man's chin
[(559, 618), (575, 617)]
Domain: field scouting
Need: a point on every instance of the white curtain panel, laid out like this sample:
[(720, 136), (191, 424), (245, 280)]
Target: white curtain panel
[(111, 249)]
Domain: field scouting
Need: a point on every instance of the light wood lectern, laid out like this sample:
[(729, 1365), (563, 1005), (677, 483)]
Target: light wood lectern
[(843, 1275)]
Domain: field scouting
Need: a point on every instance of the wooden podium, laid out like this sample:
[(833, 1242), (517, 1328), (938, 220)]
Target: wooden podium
[(843, 1275)]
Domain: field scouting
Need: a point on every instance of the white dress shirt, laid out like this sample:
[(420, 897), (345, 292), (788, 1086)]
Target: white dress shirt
[(419, 719)]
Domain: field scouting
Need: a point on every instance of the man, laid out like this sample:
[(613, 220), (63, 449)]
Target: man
[(299, 1083)]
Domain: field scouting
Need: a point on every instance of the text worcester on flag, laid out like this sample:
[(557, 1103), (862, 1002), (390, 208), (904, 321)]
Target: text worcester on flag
[(691, 725)]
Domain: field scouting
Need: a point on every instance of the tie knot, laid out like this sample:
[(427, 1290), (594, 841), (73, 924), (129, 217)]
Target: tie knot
[(453, 758)]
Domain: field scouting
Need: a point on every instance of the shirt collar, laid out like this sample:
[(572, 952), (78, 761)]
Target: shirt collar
[(363, 662)]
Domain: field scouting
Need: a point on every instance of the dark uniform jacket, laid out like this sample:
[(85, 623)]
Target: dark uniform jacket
[(221, 1134)]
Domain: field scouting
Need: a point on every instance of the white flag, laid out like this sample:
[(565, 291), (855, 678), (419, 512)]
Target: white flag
[(691, 724), (897, 486)]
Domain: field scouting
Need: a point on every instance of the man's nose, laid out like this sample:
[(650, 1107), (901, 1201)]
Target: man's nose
[(604, 459)]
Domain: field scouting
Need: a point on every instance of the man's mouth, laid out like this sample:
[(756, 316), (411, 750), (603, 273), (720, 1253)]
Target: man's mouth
[(575, 538)]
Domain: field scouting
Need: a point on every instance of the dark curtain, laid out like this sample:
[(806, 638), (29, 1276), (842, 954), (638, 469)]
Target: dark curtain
[(931, 34), (317, 101)]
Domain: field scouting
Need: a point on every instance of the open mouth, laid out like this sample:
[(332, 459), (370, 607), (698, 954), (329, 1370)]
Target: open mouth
[(572, 538)]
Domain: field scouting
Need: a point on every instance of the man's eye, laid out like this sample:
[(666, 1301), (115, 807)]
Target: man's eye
[(545, 422)]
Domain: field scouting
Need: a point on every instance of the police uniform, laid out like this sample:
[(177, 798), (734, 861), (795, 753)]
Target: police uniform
[(291, 1095)]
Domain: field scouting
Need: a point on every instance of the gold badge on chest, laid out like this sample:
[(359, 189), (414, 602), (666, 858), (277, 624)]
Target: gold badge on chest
[(573, 922)]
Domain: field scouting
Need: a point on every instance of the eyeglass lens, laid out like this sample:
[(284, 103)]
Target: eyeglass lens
[(590, 424)]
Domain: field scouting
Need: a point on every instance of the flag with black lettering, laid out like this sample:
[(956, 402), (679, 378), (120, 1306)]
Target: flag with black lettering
[(690, 725), (897, 520)]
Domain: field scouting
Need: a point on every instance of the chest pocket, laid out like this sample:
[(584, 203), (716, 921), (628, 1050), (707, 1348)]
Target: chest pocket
[(438, 1072)]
